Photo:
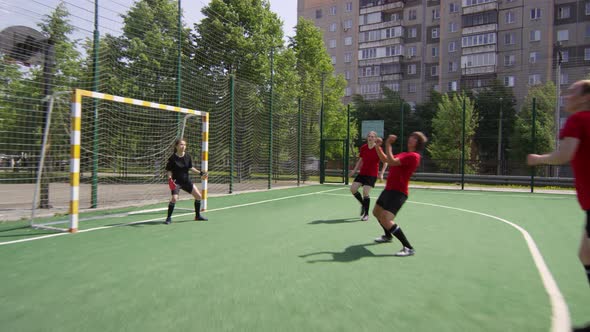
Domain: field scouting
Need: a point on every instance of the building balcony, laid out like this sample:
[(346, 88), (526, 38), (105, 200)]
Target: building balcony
[(382, 43), (382, 25), (479, 29), (481, 70), (378, 61), (480, 8), (382, 5), (479, 49)]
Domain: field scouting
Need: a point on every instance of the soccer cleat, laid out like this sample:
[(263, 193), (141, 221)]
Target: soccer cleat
[(365, 217), (383, 239), (405, 252), (168, 221), (200, 218)]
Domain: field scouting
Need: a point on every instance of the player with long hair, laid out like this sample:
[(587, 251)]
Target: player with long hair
[(368, 169), (178, 167), (395, 194)]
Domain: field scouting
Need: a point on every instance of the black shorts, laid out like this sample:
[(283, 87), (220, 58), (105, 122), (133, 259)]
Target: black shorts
[(391, 200), (186, 186), (366, 180), (588, 223)]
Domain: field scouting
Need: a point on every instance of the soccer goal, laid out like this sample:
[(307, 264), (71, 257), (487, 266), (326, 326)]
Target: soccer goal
[(118, 152)]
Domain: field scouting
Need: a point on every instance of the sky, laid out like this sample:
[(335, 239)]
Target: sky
[(30, 12)]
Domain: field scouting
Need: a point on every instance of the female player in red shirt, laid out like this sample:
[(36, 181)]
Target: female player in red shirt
[(574, 146), (368, 164), (402, 166)]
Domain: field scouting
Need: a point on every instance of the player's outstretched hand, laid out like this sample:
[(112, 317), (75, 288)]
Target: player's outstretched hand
[(532, 159), (171, 184), (391, 139), (204, 175)]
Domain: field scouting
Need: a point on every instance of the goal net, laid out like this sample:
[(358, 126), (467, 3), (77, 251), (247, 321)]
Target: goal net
[(118, 149)]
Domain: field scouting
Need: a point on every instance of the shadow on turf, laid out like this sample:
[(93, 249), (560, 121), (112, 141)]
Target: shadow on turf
[(335, 221), (350, 254)]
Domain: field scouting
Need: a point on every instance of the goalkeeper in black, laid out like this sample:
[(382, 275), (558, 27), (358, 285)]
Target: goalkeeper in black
[(178, 167)]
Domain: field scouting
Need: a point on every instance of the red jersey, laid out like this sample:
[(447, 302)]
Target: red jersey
[(399, 176), (370, 166), (578, 126)]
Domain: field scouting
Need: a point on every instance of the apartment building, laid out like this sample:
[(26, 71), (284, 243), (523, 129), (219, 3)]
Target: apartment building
[(415, 46)]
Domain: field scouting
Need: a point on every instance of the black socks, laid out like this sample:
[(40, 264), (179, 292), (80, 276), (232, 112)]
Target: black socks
[(170, 210), (358, 196), (399, 234), (197, 208)]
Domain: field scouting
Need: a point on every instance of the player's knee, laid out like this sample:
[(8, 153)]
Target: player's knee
[(173, 200)]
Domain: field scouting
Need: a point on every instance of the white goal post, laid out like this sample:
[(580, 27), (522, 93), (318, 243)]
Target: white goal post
[(76, 141)]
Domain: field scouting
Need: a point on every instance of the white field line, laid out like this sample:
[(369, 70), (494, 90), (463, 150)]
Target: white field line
[(160, 218), (560, 317)]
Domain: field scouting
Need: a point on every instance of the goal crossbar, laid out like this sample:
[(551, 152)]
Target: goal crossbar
[(76, 139)]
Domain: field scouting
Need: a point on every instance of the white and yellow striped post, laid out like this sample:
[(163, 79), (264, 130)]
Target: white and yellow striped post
[(75, 140), (205, 159)]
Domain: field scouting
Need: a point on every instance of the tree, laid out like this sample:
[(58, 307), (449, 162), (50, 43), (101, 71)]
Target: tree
[(237, 36), (318, 84), (494, 104), (521, 140), (388, 109), (447, 126)]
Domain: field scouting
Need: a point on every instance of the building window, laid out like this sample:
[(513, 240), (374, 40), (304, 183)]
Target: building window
[(411, 69), (533, 57), (347, 57), (412, 14), (434, 71), (452, 46), (318, 13), (412, 32), (332, 43), (333, 27), (563, 78), (587, 8), (453, 27), (587, 34), (565, 56), (368, 53), (587, 54), (535, 35), (333, 59), (509, 60), (347, 74), (510, 18), (412, 87), (563, 35), (478, 60), (347, 24), (563, 12), (435, 14), (348, 7), (333, 10), (509, 38), (434, 33), (477, 40), (347, 41), (535, 79), (535, 13), (453, 66), (394, 50), (347, 92), (434, 51), (411, 51), (452, 86), (453, 7), (509, 81)]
